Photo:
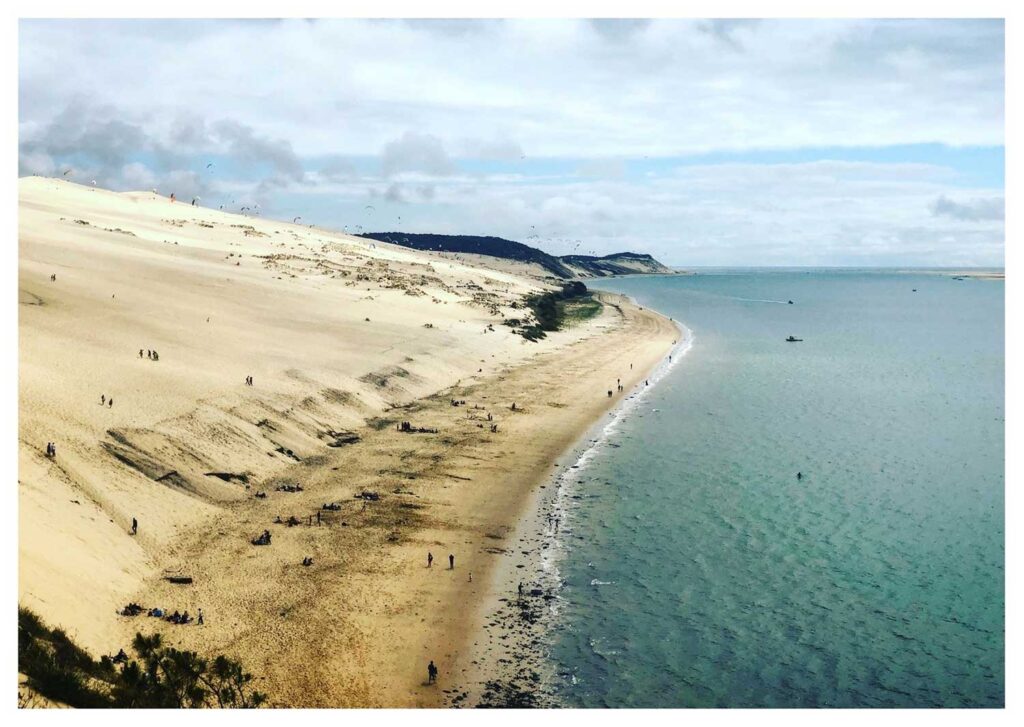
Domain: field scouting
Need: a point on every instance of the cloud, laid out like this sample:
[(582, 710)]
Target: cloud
[(972, 210), (314, 118), (416, 152), (619, 29), (246, 146), (558, 87), (499, 149)]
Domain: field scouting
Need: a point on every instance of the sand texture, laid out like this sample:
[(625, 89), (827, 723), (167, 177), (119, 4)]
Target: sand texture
[(345, 339)]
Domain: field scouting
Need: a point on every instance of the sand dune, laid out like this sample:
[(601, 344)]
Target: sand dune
[(343, 338)]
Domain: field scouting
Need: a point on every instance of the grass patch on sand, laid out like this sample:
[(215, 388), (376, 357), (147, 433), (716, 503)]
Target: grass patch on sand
[(578, 310)]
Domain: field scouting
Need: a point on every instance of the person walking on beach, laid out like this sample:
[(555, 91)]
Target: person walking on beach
[(103, 399), (451, 562), (140, 353), (520, 589), (199, 619), (135, 526), (430, 559), (431, 672), (110, 403)]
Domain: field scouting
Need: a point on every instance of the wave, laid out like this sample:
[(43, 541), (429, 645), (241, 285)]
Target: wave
[(560, 510)]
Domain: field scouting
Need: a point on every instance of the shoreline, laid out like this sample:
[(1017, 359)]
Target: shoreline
[(504, 656), (326, 636)]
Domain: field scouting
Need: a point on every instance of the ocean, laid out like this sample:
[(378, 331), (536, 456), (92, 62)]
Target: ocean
[(696, 568)]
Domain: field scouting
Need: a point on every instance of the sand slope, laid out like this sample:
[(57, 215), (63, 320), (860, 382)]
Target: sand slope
[(342, 336)]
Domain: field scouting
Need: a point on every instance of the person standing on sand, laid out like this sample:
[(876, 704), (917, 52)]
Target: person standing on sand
[(110, 402), (431, 672), (451, 562), (430, 557), (135, 526), (140, 353), (520, 589), (103, 399), (199, 620)]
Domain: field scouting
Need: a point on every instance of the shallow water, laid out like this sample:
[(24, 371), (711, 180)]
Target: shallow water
[(697, 570)]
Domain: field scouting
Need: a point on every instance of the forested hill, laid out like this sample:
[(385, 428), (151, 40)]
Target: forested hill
[(570, 266)]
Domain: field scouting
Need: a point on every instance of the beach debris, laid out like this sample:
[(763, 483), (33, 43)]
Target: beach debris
[(340, 439)]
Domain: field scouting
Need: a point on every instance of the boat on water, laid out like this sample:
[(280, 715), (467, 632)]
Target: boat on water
[(791, 339)]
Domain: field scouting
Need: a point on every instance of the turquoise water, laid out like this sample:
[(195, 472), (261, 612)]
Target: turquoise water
[(699, 571)]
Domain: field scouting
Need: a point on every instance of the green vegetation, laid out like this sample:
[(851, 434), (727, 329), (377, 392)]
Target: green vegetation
[(581, 309), (159, 676), (555, 309)]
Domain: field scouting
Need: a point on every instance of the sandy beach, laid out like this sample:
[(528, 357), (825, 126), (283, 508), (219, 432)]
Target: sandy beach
[(344, 339)]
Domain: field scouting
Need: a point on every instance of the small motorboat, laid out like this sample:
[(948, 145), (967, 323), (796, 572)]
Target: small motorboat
[(790, 302), (791, 339)]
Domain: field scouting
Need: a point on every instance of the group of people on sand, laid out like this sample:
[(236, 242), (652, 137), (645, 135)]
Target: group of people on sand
[(248, 381), (104, 400), (177, 618), (150, 354), (451, 560), (263, 539), (53, 278), (51, 450)]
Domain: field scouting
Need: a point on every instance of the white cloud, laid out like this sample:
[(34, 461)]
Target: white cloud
[(448, 110)]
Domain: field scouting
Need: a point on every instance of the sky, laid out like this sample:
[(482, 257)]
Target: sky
[(701, 142)]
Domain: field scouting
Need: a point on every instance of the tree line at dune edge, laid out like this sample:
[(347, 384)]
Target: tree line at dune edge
[(158, 676), (553, 310)]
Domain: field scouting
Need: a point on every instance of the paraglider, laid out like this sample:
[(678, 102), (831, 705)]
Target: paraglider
[(296, 219), (209, 165), (371, 207), (66, 172)]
